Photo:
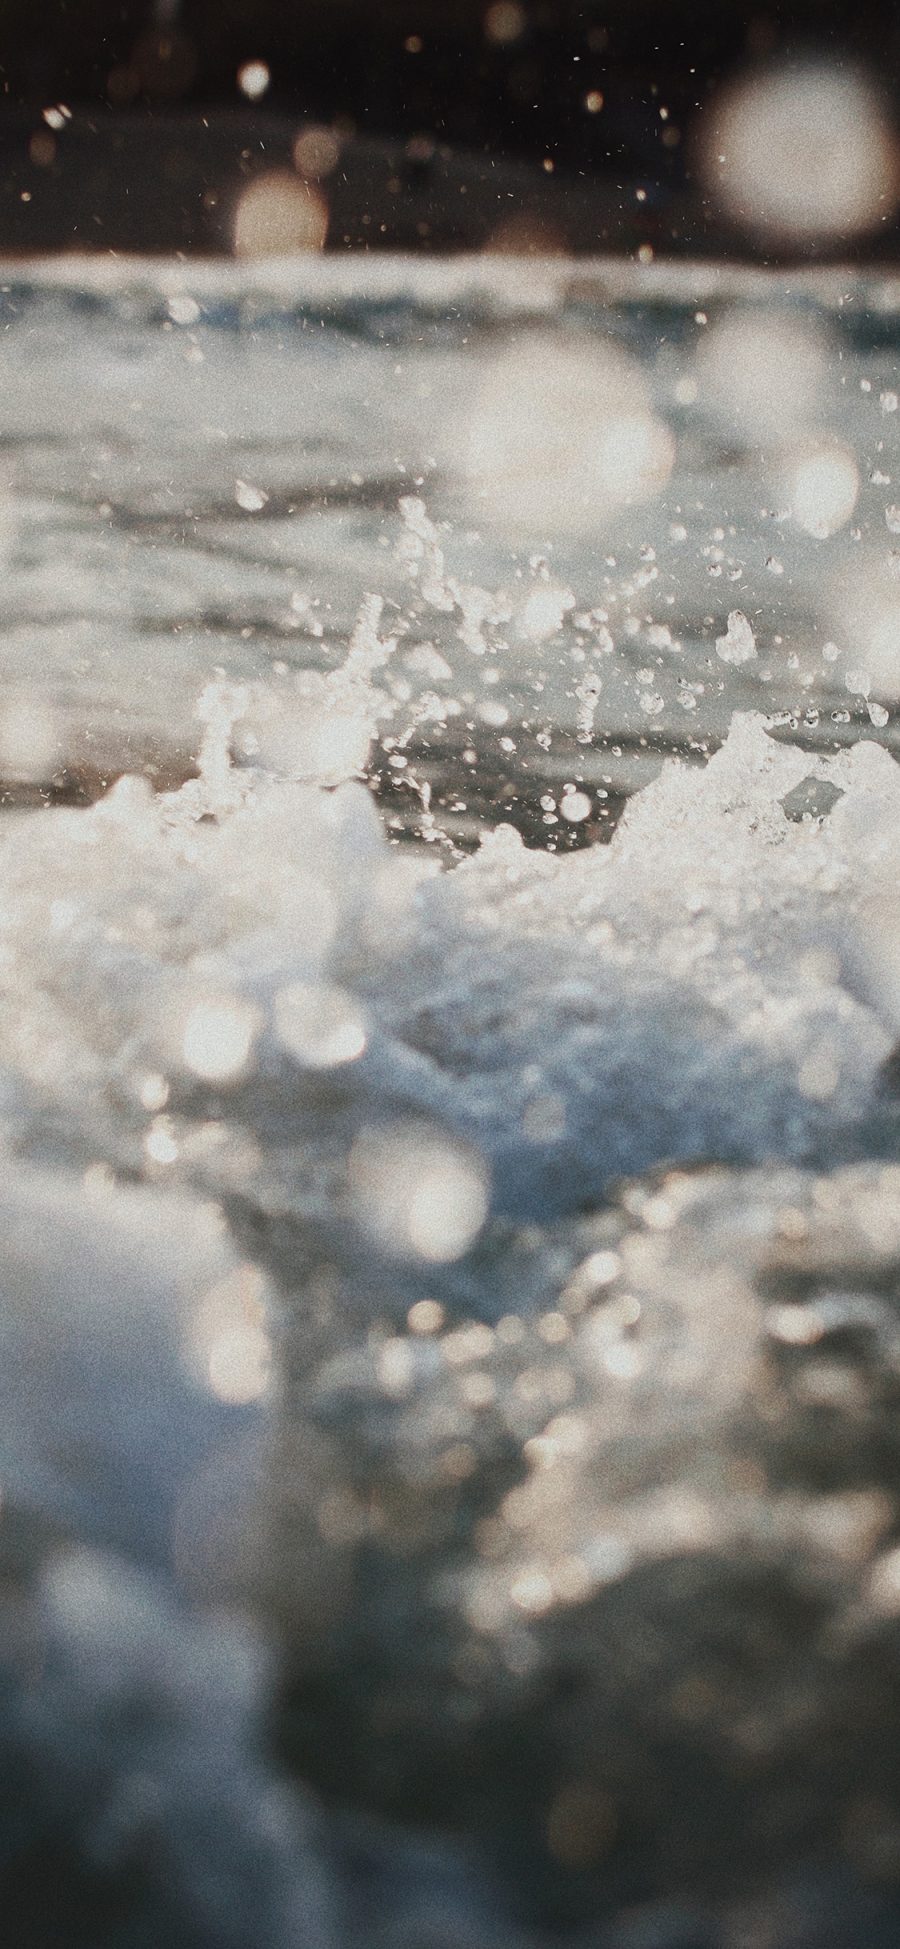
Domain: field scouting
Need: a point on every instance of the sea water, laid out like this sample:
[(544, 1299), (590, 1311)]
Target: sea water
[(450, 974)]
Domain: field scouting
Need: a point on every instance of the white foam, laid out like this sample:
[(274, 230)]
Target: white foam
[(569, 1019)]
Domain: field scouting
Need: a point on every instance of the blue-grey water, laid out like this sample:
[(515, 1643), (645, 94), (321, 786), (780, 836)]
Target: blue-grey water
[(204, 469), (449, 1290)]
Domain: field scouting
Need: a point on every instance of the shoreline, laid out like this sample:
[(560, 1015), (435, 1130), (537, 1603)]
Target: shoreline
[(523, 284)]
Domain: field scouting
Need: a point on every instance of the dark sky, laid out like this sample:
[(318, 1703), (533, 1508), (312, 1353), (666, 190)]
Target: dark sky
[(603, 94), (512, 75)]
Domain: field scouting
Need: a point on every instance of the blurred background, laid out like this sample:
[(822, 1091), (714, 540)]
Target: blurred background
[(435, 124)]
